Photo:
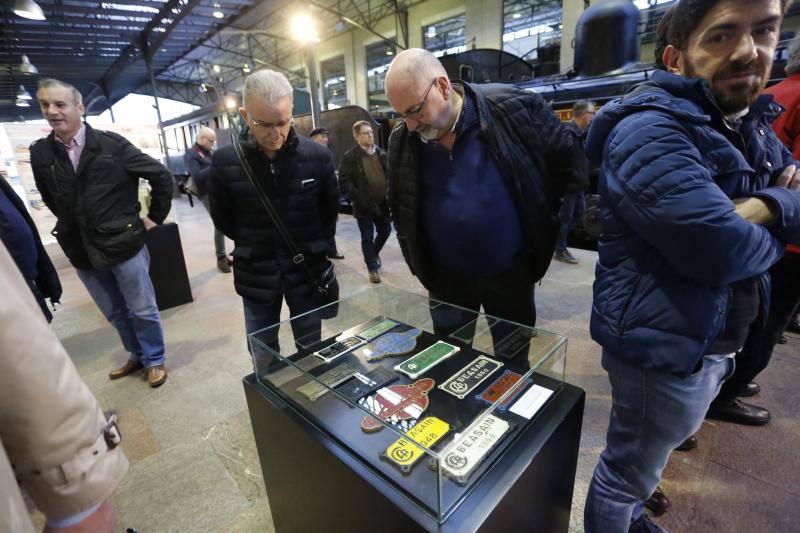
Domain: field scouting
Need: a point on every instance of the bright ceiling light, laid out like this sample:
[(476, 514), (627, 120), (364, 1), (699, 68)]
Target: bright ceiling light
[(217, 69), (246, 68), (22, 94), (26, 67), (304, 29), (516, 15), (28, 9), (230, 103), (218, 14), (22, 103)]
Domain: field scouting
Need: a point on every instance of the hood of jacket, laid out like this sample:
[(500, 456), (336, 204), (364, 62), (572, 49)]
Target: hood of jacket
[(688, 99)]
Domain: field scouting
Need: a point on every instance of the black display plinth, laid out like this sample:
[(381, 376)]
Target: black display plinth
[(168, 267), (314, 484)]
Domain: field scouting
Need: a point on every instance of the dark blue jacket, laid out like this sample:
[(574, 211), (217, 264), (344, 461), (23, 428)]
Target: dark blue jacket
[(672, 243), (198, 163)]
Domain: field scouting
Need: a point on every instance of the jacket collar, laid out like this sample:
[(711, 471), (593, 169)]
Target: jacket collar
[(689, 99), (250, 144)]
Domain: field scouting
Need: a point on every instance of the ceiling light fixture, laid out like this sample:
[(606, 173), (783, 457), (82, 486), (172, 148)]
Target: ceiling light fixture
[(28, 9), (26, 67), (218, 14), (22, 103), (217, 69), (22, 94)]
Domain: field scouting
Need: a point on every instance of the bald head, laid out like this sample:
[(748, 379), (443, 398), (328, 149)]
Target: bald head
[(412, 69)]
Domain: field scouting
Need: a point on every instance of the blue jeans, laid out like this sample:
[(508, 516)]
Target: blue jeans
[(372, 243), (569, 215), (125, 296), (652, 413)]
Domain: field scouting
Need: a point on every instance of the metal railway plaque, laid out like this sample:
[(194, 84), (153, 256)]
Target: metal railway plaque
[(336, 375), (468, 451), (468, 378), (426, 359), (391, 344), (404, 453)]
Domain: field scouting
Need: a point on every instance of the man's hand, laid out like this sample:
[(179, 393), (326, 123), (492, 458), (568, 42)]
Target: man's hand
[(789, 178), (148, 224), (755, 210)]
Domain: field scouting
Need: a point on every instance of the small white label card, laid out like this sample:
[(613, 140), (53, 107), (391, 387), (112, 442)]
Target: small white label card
[(531, 401)]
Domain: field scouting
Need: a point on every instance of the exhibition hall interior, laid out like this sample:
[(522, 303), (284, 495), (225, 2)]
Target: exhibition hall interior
[(404, 265)]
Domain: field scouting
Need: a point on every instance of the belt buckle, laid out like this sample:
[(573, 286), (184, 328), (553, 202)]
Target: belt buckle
[(299, 258), (111, 433)]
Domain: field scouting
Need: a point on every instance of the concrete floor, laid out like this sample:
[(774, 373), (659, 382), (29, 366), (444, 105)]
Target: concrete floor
[(194, 466)]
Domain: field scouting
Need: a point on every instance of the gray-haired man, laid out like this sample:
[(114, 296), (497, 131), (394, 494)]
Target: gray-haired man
[(299, 179)]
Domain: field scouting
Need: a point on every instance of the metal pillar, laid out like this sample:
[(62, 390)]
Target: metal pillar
[(158, 112), (311, 64)]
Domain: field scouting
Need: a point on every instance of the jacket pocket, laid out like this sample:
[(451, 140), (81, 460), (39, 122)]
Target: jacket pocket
[(115, 238), (621, 323)]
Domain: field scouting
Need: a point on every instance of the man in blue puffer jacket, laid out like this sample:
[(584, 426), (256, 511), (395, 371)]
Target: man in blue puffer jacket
[(698, 199)]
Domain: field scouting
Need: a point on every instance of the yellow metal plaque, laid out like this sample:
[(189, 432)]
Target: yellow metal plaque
[(427, 432)]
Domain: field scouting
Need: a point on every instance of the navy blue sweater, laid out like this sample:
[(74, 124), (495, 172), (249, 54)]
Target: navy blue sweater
[(468, 213)]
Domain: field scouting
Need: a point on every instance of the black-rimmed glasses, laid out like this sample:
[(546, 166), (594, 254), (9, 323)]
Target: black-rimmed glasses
[(415, 113), (266, 126)]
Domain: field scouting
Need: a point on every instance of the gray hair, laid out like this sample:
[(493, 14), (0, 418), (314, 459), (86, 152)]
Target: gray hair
[(580, 107), (47, 83), (268, 85), (205, 131), (793, 63)]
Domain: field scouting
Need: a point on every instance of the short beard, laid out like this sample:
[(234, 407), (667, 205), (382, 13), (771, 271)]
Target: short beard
[(738, 98)]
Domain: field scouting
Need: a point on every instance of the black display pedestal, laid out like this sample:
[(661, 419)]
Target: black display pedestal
[(314, 484), (167, 266)]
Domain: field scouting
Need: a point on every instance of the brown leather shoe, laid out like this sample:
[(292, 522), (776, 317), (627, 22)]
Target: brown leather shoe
[(156, 375), (125, 370)]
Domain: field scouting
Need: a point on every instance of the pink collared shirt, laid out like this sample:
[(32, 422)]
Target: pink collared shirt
[(75, 147)]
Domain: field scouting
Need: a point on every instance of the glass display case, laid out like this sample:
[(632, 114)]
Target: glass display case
[(425, 394)]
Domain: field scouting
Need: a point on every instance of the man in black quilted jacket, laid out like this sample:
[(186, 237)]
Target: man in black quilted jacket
[(476, 178), (299, 179)]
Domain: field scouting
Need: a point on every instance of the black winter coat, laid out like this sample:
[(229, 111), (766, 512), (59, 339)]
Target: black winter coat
[(198, 164), (47, 284), (98, 206), (301, 184), (579, 137), (537, 157), (354, 184)]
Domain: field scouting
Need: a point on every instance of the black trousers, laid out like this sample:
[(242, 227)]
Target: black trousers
[(757, 351), (508, 296)]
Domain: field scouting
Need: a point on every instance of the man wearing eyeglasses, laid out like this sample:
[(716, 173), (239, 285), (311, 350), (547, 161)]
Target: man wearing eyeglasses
[(476, 177), (362, 174), (298, 177)]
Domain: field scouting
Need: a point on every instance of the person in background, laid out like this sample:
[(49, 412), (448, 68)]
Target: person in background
[(362, 177), (198, 163), (55, 441), (574, 201), (684, 254), (322, 136), (90, 181), (21, 237)]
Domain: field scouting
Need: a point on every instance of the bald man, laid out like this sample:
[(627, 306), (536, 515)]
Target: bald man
[(476, 178), (198, 163)]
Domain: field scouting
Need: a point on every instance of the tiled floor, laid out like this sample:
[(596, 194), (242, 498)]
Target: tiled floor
[(194, 466)]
